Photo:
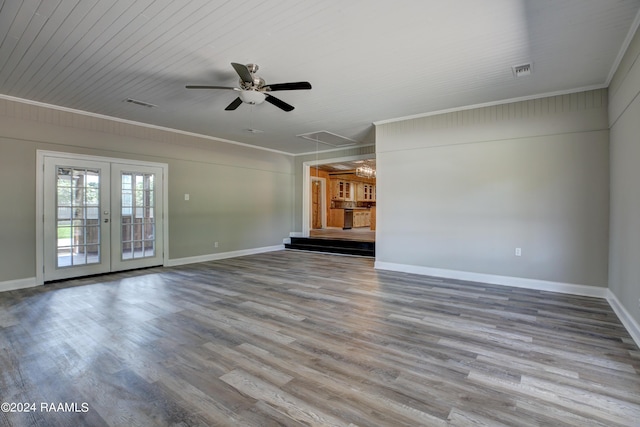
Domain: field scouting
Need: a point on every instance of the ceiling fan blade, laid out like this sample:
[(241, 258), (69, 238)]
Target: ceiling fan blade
[(235, 104), (243, 72), (278, 103), (289, 86), (209, 87)]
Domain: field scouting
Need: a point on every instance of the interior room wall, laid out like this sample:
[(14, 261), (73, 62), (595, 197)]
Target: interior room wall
[(624, 115), (239, 196), (459, 192)]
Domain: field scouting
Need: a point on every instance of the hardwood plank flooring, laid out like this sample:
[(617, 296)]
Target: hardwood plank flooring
[(304, 339)]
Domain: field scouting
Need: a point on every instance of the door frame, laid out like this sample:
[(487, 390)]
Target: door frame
[(306, 185), (40, 158)]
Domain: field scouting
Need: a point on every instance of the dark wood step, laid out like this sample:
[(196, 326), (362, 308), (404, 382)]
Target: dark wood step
[(339, 246)]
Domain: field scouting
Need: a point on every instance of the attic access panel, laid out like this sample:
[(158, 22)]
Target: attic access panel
[(328, 138)]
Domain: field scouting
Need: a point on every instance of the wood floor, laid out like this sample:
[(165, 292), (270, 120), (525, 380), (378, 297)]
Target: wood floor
[(302, 339)]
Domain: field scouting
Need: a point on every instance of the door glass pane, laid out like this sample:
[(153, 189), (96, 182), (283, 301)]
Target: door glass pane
[(77, 216), (138, 209)]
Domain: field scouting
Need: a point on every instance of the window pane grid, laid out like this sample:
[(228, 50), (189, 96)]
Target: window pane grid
[(77, 216), (137, 211)]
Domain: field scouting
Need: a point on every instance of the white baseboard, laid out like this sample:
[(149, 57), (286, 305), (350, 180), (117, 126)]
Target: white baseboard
[(296, 234), (518, 282), (12, 285), (222, 255), (627, 320)]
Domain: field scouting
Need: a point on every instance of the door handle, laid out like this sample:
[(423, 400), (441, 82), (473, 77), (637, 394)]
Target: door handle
[(106, 220)]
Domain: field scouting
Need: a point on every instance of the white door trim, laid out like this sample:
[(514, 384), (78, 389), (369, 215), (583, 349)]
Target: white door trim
[(40, 158), (306, 186)]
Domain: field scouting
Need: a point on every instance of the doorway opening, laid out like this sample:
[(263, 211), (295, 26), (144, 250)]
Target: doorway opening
[(339, 203)]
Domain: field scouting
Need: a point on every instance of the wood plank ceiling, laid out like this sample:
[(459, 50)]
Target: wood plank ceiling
[(367, 61)]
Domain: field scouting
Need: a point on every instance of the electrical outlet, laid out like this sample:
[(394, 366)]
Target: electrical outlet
[(518, 251), (215, 244), (186, 196)]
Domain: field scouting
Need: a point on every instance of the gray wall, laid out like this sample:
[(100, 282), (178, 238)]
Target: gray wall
[(460, 191), (239, 196), (624, 117)]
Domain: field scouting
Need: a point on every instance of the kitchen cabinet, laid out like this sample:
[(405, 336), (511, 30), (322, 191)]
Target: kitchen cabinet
[(342, 190), (359, 186), (369, 192), (361, 218), (365, 192), (373, 218), (336, 218)]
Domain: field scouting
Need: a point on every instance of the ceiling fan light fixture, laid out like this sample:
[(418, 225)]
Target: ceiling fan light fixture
[(252, 88), (252, 97)]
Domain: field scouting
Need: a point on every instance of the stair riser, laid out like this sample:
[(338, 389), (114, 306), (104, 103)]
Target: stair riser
[(329, 249), (369, 246)]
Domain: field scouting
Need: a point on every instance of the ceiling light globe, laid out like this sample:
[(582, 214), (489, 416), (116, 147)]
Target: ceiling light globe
[(252, 97)]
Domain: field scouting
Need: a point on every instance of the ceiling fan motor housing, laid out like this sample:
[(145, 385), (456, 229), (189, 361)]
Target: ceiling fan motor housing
[(257, 82)]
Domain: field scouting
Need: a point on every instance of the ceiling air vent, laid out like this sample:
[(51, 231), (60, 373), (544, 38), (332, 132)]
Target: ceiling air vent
[(141, 103), (521, 70)]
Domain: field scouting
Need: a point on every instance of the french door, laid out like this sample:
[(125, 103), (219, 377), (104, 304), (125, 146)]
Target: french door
[(100, 216)]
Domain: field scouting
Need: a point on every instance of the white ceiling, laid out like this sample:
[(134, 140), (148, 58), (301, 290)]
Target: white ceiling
[(367, 60)]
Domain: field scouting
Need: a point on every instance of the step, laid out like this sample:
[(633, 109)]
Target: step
[(339, 246)]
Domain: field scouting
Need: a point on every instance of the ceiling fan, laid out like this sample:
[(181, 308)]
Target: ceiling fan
[(254, 90)]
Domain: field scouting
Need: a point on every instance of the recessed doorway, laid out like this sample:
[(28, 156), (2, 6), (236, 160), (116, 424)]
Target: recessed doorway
[(340, 199)]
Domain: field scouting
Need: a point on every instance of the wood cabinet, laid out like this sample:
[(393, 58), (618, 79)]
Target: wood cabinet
[(348, 187), (365, 192), (336, 218), (341, 190), (361, 218), (369, 192), (359, 191), (373, 217)]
